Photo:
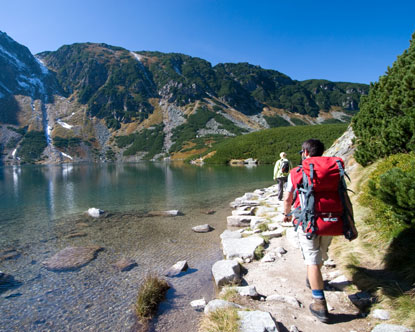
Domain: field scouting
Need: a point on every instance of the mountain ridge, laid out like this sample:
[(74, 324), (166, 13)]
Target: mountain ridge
[(95, 93)]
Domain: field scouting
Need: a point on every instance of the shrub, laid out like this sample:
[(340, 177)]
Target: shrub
[(397, 189), (390, 194), (32, 146), (151, 293)]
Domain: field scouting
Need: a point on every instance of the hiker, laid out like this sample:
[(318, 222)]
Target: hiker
[(314, 238), (281, 169)]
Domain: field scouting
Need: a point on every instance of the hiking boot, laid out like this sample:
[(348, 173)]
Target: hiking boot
[(319, 309)]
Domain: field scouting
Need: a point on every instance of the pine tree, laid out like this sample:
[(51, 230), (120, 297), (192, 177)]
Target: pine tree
[(385, 124)]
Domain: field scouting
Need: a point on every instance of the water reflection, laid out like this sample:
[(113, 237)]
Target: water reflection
[(41, 206)]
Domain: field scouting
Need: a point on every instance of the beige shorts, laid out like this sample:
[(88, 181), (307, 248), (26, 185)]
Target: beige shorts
[(315, 250)]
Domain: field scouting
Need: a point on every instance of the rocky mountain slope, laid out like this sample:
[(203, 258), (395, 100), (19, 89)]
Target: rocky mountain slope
[(92, 102)]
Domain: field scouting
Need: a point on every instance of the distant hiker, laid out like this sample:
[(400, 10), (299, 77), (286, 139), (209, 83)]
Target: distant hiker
[(281, 169), (321, 209)]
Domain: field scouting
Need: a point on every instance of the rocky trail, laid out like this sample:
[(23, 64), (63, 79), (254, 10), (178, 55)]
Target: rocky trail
[(274, 287)]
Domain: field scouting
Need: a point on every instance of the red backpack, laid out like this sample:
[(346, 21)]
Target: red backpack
[(321, 204)]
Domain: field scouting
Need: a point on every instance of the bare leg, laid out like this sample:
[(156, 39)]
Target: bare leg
[(315, 277)]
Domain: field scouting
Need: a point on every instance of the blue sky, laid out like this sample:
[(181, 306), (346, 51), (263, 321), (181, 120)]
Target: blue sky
[(336, 40)]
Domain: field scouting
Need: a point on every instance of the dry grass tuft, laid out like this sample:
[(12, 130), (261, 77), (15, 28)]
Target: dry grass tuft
[(221, 320), (151, 293)]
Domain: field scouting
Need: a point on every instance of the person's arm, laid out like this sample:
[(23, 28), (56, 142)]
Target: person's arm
[(288, 199), (287, 205)]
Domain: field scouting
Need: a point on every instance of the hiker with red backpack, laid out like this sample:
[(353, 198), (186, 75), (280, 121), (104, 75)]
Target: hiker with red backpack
[(281, 169), (317, 200)]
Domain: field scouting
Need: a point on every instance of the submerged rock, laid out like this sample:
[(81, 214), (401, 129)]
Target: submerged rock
[(7, 282), (9, 254), (176, 269), (125, 264), (73, 235), (202, 228), (168, 213), (71, 258)]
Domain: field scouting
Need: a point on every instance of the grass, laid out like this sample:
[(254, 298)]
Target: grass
[(221, 320), (263, 227), (229, 294), (151, 293), (365, 260), (259, 252)]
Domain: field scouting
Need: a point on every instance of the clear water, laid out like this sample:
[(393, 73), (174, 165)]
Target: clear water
[(41, 205)]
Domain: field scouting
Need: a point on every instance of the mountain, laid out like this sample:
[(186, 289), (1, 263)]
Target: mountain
[(91, 102)]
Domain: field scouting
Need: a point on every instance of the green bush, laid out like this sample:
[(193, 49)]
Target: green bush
[(32, 146), (276, 121), (388, 216), (397, 188), (61, 142), (147, 140)]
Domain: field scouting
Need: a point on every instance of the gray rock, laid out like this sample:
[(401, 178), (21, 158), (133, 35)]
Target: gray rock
[(340, 282), (176, 269), (391, 328), (273, 226), (269, 257), (125, 264), (238, 221), (294, 328), (202, 228), (381, 314), (242, 212), (256, 321), (281, 251), (247, 291), (220, 304), (227, 234), (95, 213), (284, 298), (255, 221), (198, 304), (71, 258), (243, 248), (274, 234), (226, 272)]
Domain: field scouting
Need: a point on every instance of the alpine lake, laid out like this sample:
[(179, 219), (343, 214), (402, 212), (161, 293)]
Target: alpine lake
[(42, 211)]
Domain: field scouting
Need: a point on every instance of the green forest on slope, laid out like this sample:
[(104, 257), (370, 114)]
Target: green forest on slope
[(266, 145)]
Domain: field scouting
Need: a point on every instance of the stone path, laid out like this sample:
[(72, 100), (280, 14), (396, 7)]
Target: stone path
[(279, 277)]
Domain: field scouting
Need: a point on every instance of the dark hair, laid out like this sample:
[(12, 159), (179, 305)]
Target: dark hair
[(314, 147)]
